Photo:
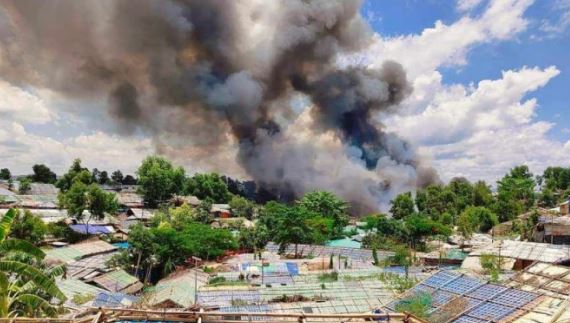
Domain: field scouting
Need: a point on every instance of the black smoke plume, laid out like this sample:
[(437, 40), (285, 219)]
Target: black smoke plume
[(204, 76)]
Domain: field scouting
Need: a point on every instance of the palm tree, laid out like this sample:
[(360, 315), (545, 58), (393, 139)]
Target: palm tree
[(27, 286)]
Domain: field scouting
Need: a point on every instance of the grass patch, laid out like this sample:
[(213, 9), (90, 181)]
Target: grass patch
[(328, 277), (417, 304)]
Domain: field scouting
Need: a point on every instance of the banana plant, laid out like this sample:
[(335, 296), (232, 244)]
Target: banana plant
[(27, 286)]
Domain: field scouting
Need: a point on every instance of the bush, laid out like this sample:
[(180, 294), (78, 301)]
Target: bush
[(328, 277), (417, 304)]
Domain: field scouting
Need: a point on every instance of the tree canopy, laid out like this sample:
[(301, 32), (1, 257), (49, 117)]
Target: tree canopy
[(208, 186), (42, 174), (159, 180), (5, 174), (402, 206)]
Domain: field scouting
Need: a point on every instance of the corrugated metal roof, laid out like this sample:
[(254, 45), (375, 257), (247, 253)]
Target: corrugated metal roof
[(92, 228), (118, 281), (80, 250), (526, 250), (179, 288)]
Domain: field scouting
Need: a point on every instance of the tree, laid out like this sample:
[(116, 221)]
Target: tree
[(402, 257), (402, 206), (547, 198), (159, 180), (242, 207), (130, 180), (253, 239), (117, 177), (421, 200), (5, 174), (291, 228), (104, 178), (203, 212), (42, 174), (463, 191), (419, 226), (476, 219), (28, 227), (81, 197), (208, 186), (25, 186), (25, 289), (518, 185), (75, 173), (329, 206), (482, 195)]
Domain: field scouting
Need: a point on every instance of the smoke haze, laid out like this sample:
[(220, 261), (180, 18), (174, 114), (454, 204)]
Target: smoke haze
[(201, 76)]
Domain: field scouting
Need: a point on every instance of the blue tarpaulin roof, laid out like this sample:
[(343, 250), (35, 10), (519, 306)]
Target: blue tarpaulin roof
[(114, 300), (93, 229)]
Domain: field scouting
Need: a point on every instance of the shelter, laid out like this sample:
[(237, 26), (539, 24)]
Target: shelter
[(75, 288), (325, 251), (191, 200), (553, 229), (92, 229), (518, 255), (78, 251), (48, 201), (42, 189), (114, 300), (548, 279), (140, 214), (119, 281), (130, 200), (221, 210), (177, 290)]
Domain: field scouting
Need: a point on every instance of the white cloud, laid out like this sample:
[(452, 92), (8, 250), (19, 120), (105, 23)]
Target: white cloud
[(447, 45), (21, 149), (461, 111), (466, 5), (482, 131), (559, 19), (19, 105)]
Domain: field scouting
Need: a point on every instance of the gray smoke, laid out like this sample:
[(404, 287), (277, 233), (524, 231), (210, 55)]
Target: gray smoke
[(212, 74)]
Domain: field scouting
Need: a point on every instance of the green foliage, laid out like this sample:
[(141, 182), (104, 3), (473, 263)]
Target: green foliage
[(515, 192), (27, 287), (42, 174), (556, 178), (81, 299), (463, 191), (242, 207), (159, 180), (547, 198), (328, 277), (491, 264), (76, 173), (419, 226), (182, 215), (476, 219), (25, 186), (170, 246), (375, 257), (252, 239), (327, 205), (208, 186), (117, 177), (28, 227), (418, 304), (402, 257), (81, 197), (292, 227), (203, 212), (482, 194), (402, 206), (5, 174)]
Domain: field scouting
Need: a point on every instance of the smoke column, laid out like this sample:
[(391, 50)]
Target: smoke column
[(202, 76)]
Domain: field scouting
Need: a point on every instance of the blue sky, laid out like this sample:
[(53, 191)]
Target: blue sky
[(532, 47)]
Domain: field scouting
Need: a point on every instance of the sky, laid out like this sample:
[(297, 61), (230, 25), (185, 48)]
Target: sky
[(490, 77)]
